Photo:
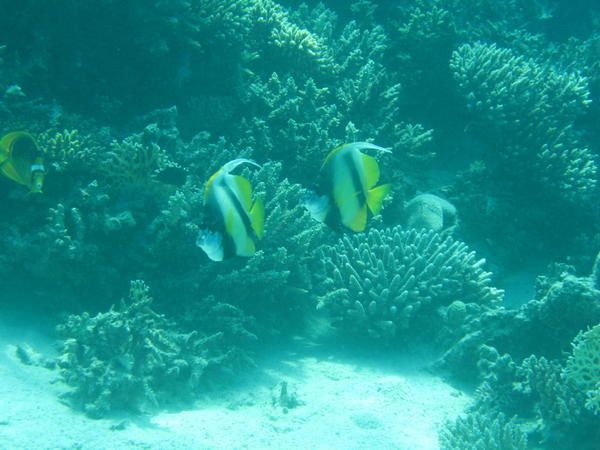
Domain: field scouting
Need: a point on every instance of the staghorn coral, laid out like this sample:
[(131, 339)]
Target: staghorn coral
[(496, 391), (136, 160), (558, 404), (528, 110), (393, 281), (133, 358), (583, 366), (292, 122), (423, 39), (563, 306), (280, 39), (482, 430), (69, 150)]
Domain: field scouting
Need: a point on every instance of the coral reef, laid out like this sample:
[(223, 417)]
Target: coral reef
[(133, 358), (274, 285), (529, 111), (564, 305), (489, 105), (481, 430), (396, 281), (583, 366)]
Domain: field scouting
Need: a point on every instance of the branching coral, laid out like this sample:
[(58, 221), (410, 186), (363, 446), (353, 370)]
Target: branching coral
[(136, 160), (133, 358), (69, 150), (583, 366), (564, 305), (482, 430), (559, 403), (292, 122), (392, 281), (284, 40), (529, 110), (273, 285)]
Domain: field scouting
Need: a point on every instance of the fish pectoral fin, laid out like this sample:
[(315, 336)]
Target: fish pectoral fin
[(317, 206), (246, 248), (257, 218), (244, 190), (376, 196), (211, 243), (371, 171), (358, 222)]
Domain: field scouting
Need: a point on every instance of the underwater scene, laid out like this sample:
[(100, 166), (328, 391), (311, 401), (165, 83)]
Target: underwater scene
[(269, 224)]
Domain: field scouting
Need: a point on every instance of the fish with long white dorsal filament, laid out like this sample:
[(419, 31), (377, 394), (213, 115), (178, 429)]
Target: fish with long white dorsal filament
[(238, 218), (349, 190)]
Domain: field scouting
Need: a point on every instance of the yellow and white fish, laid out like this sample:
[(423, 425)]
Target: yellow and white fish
[(349, 187), (238, 220), (21, 160)]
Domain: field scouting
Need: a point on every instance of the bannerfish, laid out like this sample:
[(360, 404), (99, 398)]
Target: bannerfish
[(238, 220), (348, 187), (21, 160)]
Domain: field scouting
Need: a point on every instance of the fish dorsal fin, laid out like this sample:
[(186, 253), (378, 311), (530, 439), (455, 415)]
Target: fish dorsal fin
[(375, 197), (209, 184), (371, 171), (331, 155), (257, 218), (367, 146), (231, 165), (226, 169), (358, 222)]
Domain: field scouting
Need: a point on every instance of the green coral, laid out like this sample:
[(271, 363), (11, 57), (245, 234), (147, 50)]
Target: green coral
[(482, 430), (274, 284), (393, 281), (529, 111), (558, 403), (133, 358), (583, 366)]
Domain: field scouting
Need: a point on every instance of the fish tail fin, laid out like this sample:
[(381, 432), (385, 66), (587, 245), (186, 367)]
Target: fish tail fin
[(376, 196), (257, 217)]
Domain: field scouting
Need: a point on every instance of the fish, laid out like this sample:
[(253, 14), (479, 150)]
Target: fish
[(238, 219), (21, 160), (348, 187)]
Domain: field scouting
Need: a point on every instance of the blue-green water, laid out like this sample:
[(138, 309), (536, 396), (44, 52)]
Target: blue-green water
[(404, 255)]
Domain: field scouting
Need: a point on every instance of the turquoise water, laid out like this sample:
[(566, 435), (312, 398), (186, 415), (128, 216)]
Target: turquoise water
[(403, 253)]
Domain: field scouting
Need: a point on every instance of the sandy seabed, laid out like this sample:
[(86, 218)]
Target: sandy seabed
[(348, 403)]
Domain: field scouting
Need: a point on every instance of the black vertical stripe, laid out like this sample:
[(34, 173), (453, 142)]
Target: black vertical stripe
[(358, 187), (238, 206)]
